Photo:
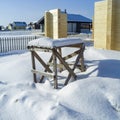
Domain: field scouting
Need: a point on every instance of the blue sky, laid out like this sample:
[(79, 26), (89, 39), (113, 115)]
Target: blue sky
[(32, 10)]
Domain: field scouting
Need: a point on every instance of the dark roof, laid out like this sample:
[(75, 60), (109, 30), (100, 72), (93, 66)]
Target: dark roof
[(19, 24), (77, 18), (71, 18), (41, 20)]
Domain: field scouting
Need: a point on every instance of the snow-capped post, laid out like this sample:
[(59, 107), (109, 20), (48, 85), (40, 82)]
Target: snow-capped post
[(55, 24)]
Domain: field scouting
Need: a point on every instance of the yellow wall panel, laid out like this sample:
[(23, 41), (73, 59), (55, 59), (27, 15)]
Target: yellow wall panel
[(100, 24), (55, 24), (107, 24)]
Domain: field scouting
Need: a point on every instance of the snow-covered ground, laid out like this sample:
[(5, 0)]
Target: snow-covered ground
[(95, 95)]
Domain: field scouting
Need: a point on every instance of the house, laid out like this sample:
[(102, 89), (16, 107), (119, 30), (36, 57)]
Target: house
[(2, 27), (78, 23), (31, 26), (75, 24), (40, 24), (9, 27), (18, 25)]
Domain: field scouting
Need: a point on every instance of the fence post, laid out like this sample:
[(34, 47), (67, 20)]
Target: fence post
[(0, 45)]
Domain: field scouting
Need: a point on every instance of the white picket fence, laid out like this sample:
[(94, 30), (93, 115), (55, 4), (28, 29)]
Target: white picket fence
[(16, 42)]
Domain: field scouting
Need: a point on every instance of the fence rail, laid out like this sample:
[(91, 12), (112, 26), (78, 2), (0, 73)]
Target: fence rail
[(19, 42)]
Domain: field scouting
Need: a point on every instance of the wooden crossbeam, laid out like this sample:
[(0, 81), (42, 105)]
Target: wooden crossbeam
[(42, 49), (71, 55), (58, 65), (64, 63), (51, 75), (50, 60), (42, 62), (74, 66)]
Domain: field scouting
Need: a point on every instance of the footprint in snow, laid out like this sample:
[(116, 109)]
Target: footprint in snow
[(2, 83), (114, 100), (3, 99)]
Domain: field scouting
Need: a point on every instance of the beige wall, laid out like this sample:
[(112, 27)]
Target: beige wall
[(100, 24), (116, 24), (107, 24), (48, 25), (55, 24)]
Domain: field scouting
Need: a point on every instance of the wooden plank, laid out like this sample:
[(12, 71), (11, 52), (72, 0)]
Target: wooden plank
[(64, 63), (36, 48), (51, 75), (61, 66), (82, 63), (80, 55), (33, 66), (50, 60), (55, 70), (42, 62), (71, 45), (71, 55), (58, 65), (82, 58)]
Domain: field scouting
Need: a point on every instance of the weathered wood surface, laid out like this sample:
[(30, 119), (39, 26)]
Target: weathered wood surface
[(55, 69), (51, 75), (64, 63), (50, 60), (42, 62), (57, 55), (79, 58), (33, 66)]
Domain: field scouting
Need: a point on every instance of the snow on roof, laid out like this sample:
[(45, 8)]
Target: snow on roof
[(20, 24), (73, 18), (50, 43), (77, 18)]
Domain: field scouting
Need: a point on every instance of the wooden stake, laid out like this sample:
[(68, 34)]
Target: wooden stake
[(55, 69), (33, 66)]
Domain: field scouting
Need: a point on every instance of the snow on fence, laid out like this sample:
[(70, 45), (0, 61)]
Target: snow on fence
[(81, 35), (18, 42), (21, 32)]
